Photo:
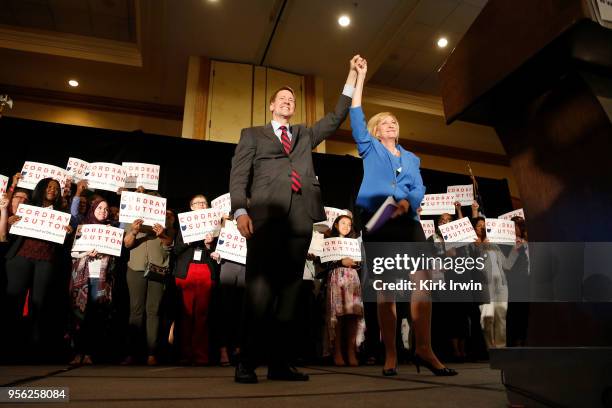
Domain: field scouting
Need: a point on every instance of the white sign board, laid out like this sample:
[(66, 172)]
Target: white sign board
[(33, 172), (512, 214), (105, 176), (335, 249), (223, 203), (4, 180), (103, 238), (150, 209), (331, 214), (429, 228), (605, 9), (464, 193), (41, 223), (195, 225), (231, 245), (500, 231), (141, 174), (76, 168), (458, 233), (316, 243), (435, 204)]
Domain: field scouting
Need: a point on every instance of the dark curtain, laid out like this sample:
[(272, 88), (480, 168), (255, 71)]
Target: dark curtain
[(191, 166)]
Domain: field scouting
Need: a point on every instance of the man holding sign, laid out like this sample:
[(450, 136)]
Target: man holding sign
[(285, 200)]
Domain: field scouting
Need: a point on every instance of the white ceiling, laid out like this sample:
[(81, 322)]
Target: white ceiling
[(399, 36)]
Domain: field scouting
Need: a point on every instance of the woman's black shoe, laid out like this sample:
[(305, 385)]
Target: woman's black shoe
[(440, 372), (390, 372), (245, 375)]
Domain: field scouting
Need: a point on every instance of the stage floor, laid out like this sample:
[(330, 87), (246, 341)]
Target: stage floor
[(169, 386)]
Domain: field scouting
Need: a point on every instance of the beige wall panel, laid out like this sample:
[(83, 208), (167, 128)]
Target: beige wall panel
[(341, 148), (230, 101), (320, 109), (277, 79), (260, 101), (442, 164), (94, 118), (193, 69), (424, 127)]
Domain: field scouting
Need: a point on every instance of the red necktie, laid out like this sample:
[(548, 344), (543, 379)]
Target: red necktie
[(296, 184)]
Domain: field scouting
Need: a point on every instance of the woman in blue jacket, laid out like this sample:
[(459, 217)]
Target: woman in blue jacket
[(390, 170)]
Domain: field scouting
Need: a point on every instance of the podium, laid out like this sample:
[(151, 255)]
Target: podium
[(540, 73)]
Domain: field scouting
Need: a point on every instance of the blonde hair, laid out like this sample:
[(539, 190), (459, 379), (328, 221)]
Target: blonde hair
[(376, 119)]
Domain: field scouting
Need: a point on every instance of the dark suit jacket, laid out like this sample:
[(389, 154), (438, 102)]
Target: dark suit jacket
[(261, 169), (183, 257)]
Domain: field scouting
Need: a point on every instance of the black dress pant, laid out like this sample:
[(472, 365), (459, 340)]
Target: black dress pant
[(40, 277), (274, 272)]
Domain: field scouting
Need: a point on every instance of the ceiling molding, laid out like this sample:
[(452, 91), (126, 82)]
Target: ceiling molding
[(413, 101), (48, 97), (433, 149), (70, 45)]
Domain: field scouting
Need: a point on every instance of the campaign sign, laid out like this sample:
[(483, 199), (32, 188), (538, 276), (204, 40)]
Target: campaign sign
[(338, 248), (141, 174), (103, 238), (196, 224), (464, 193), (458, 233), (150, 209), (500, 231), (231, 245), (223, 203), (4, 180), (76, 168), (429, 228), (316, 243), (41, 223), (331, 214), (105, 176), (435, 204), (33, 172), (512, 214)]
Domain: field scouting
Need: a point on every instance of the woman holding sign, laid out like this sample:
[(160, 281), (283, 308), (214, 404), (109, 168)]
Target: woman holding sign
[(147, 274), (193, 271), (30, 266), (91, 284), (493, 312), (344, 306), (391, 171)]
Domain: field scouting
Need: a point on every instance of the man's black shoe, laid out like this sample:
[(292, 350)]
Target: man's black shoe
[(287, 373), (244, 375)]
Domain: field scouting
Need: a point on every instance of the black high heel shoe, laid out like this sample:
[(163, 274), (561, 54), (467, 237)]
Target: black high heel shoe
[(390, 372), (439, 372)]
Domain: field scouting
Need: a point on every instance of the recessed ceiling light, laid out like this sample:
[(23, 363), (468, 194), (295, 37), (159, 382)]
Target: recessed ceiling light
[(442, 42), (73, 83), (344, 21)]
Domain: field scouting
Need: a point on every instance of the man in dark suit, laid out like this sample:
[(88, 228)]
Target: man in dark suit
[(276, 197)]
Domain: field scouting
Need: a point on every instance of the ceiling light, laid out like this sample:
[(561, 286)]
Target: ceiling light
[(344, 21), (73, 83), (442, 42)]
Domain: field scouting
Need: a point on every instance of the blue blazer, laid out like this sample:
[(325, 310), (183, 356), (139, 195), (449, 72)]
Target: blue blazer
[(380, 180)]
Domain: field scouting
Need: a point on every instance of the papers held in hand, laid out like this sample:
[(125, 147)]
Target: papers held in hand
[(382, 215)]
